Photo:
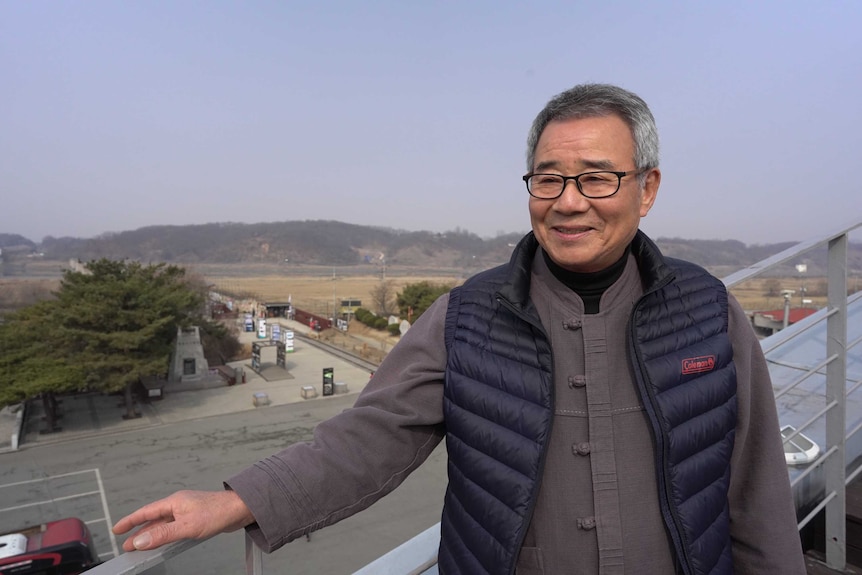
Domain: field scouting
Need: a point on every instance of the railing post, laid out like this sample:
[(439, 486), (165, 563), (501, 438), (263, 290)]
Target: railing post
[(836, 385), (253, 557)]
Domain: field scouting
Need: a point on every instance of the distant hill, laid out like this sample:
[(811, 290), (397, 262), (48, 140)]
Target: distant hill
[(304, 242), (319, 242), (10, 241)]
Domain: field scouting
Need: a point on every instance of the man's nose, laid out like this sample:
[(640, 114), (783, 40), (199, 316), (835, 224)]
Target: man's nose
[(572, 199)]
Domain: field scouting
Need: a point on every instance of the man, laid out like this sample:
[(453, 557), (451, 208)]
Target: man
[(606, 409)]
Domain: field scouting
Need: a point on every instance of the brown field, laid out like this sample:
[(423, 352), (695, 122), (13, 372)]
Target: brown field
[(765, 293), (315, 290), (20, 292), (315, 294)]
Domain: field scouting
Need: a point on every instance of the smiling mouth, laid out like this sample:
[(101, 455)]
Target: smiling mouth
[(571, 230)]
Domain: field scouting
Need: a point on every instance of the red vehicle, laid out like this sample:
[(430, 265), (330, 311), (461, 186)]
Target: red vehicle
[(63, 547)]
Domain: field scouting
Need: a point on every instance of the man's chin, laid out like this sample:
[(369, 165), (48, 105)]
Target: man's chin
[(573, 262)]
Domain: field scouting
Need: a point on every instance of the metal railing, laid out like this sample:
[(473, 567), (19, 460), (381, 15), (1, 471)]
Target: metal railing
[(418, 556), (143, 561), (832, 461)]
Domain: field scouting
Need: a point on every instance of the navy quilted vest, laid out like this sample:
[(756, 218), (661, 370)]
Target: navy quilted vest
[(498, 406)]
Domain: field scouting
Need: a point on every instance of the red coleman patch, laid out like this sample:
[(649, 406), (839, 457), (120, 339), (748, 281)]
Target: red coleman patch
[(698, 364)]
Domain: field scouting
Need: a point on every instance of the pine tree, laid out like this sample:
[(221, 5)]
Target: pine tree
[(108, 327), (416, 298), (33, 362)]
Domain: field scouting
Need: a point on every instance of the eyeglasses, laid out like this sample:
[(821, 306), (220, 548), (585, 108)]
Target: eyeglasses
[(590, 184)]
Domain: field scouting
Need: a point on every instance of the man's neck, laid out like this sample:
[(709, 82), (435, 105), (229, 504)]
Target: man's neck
[(589, 286)]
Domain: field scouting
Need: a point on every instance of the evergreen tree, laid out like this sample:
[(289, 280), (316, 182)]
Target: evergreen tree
[(108, 327), (416, 298), (33, 362)]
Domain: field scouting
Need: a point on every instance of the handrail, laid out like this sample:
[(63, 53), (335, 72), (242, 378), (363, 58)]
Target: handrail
[(142, 561), (806, 375), (814, 465), (785, 255), (809, 322), (832, 495), (413, 557), (853, 475), (832, 404), (831, 465)]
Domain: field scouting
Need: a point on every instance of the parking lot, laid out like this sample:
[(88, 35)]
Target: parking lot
[(78, 494)]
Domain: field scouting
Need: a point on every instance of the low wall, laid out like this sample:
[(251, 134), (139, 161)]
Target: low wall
[(207, 381), (307, 318)]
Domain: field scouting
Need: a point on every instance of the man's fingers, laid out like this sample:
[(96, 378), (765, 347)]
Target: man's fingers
[(184, 515), (151, 512), (156, 535)]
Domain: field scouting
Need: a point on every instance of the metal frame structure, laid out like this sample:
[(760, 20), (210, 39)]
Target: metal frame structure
[(830, 469)]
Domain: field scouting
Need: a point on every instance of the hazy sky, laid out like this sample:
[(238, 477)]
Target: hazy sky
[(414, 115)]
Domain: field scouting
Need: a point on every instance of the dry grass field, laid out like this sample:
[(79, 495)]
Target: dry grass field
[(316, 289), (315, 294), (765, 294), (19, 292)]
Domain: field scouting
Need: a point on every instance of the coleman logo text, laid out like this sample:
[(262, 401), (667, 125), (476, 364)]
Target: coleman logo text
[(698, 364)]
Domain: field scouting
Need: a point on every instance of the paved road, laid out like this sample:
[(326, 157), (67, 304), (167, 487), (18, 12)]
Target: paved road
[(140, 465)]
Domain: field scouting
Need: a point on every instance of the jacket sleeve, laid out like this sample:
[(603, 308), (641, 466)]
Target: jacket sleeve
[(361, 454), (764, 536)]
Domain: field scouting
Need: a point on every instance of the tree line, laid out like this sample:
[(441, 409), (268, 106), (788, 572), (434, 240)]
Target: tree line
[(309, 242), (412, 302), (322, 242)]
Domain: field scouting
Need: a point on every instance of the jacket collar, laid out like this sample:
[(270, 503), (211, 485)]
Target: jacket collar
[(652, 266)]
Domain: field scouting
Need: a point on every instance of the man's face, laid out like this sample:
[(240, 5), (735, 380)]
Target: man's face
[(582, 234)]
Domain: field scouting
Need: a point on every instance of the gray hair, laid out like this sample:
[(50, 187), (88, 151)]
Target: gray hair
[(597, 100)]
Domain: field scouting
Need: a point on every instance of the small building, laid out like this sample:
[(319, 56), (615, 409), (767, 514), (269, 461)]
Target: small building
[(769, 322), (279, 309)]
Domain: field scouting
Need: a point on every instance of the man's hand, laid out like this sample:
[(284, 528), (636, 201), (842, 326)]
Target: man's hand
[(184, 515)]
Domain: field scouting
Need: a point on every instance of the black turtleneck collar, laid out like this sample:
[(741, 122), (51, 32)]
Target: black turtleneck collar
[(589, 286)]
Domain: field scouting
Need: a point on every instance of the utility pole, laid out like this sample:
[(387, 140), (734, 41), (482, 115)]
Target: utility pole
[(334, 299), (786, 293), (802, 268)]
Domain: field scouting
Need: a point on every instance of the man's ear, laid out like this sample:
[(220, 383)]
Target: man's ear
[(649, 190)]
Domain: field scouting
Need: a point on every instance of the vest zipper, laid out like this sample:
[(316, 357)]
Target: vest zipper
[(534, 495), (668, 511)]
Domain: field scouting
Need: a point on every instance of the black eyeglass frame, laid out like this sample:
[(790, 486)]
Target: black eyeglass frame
[(577, 179)]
